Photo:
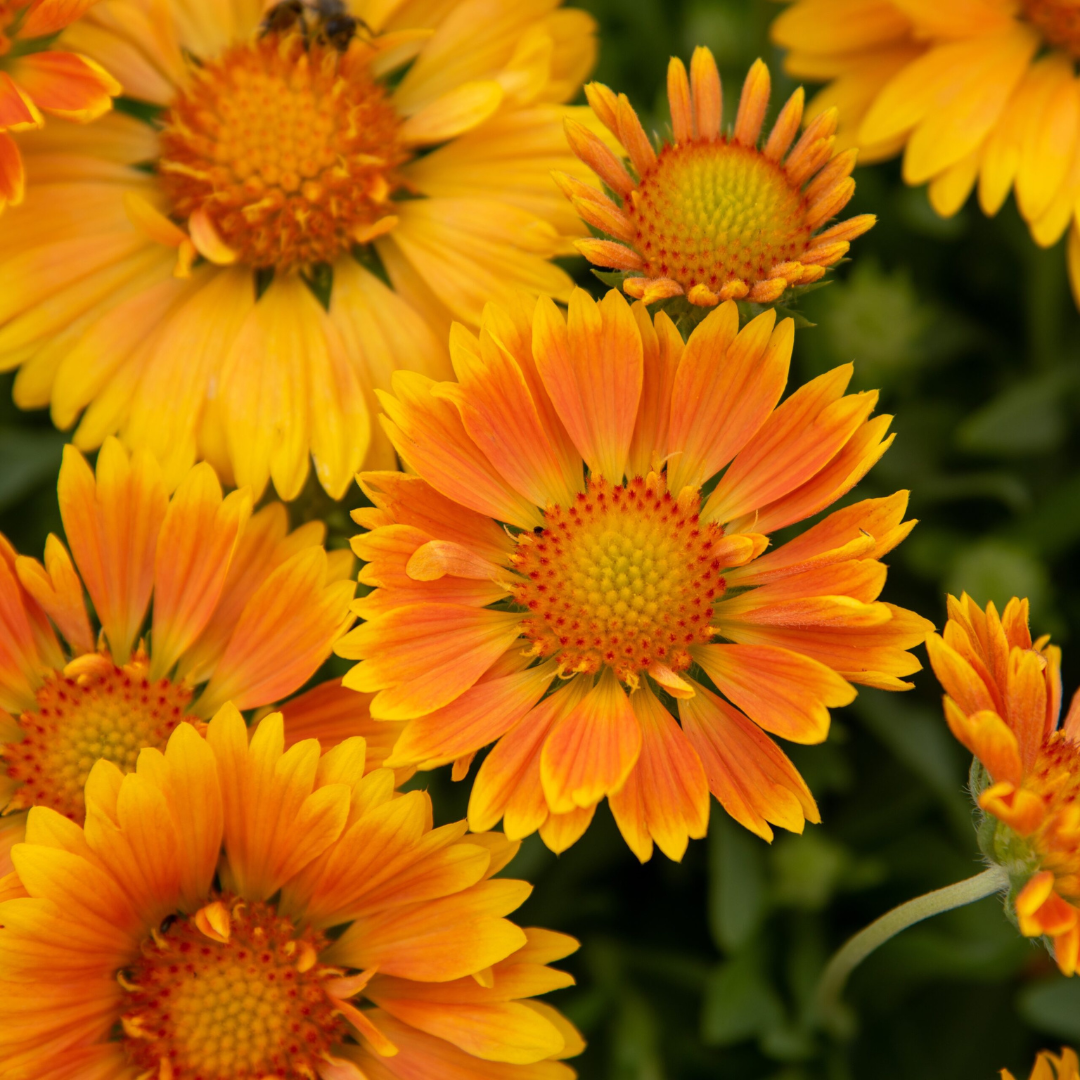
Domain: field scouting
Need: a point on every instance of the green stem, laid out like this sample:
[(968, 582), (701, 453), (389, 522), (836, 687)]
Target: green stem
[(858, 948)]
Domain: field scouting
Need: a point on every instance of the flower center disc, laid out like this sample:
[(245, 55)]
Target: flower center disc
[(250, 1007), (109, 713), (288, 145), (625, 577), (1056, 780), (710, 212), (1058, 21)]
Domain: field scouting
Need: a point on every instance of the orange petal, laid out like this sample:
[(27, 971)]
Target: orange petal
[(747, 772), (1022, 810), (752, 104), (960, 679), (707, 94), (1025, 702), (284, 633), (591, 366), (591, 751), (666, 796), (727, 384), (561, 831), (67, 85), (989, 738), (198, 538), (502, 419), (424, 656), (112, 524), (782, 691), (59, 590), (12, 175), (49, 16), (17, 110), (479, 716), (678, 91), (429, 434), (662, 349), (795, 443)]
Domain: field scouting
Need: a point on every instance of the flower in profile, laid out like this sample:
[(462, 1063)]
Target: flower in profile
[(36, 79), (242, 611), (185, 932), (1003, 700), (712, 216), (1049, 1066), (563, 574), (981, 92), (283, 213)]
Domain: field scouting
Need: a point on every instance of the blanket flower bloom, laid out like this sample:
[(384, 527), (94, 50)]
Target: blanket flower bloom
[(980, 92), (572, 615), (1065, 1066), (712, 216), (37, 79), (1003, 700), (299, 206), (183, 932), (243, 611)]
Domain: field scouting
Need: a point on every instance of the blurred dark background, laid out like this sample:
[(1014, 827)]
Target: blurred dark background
[(704, 969)]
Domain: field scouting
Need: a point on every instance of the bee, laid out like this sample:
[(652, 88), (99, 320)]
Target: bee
[(336, 26), (283, 16)]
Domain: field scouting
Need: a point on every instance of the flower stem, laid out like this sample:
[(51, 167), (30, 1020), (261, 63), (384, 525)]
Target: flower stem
[(828, 1006)]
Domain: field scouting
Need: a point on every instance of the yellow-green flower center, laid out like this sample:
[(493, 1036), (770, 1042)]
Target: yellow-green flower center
[(248, 1007), (104, 712), (1058, 21), (710, 212), (625, 577)]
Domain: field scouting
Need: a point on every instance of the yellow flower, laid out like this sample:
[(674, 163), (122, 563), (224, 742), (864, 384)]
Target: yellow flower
[(1052, 1067), (36, 79), (184, 933), (242, 611), (329, 199), (973, 91), (712, 216)]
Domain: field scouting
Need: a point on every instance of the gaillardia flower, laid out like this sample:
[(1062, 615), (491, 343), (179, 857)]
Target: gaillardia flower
[(1049, 1066), (565, 572), (711, 216), (983, 91), (36, 79), (184, 932), (242, 611), (331, 191), (1003, 700)]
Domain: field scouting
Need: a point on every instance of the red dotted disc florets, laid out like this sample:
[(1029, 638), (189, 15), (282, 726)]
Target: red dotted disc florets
[(711, 212), (1055, 778), (106, 712), (289, 146), (1058, 21), (250, 1007), (625, 576)]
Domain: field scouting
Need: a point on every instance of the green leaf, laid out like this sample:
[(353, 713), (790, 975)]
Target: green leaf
[(739, 1003), (1028, 418), (1053, 1006), (31, 458), (737, 888)]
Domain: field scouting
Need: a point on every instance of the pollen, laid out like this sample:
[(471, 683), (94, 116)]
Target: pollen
[(287, 147), (249, 1002), (1057, 20), (103, 712), (710, 213), (626, 577)]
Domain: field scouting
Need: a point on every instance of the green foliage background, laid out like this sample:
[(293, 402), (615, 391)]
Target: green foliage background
[(704, 969)]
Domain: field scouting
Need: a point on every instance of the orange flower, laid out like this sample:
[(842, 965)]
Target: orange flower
[(35, 79), (571, 615), (184, 932), (1003, 700), (280, 217), (973, 91), (243, 611), (1052, 1067), (711, 216)]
